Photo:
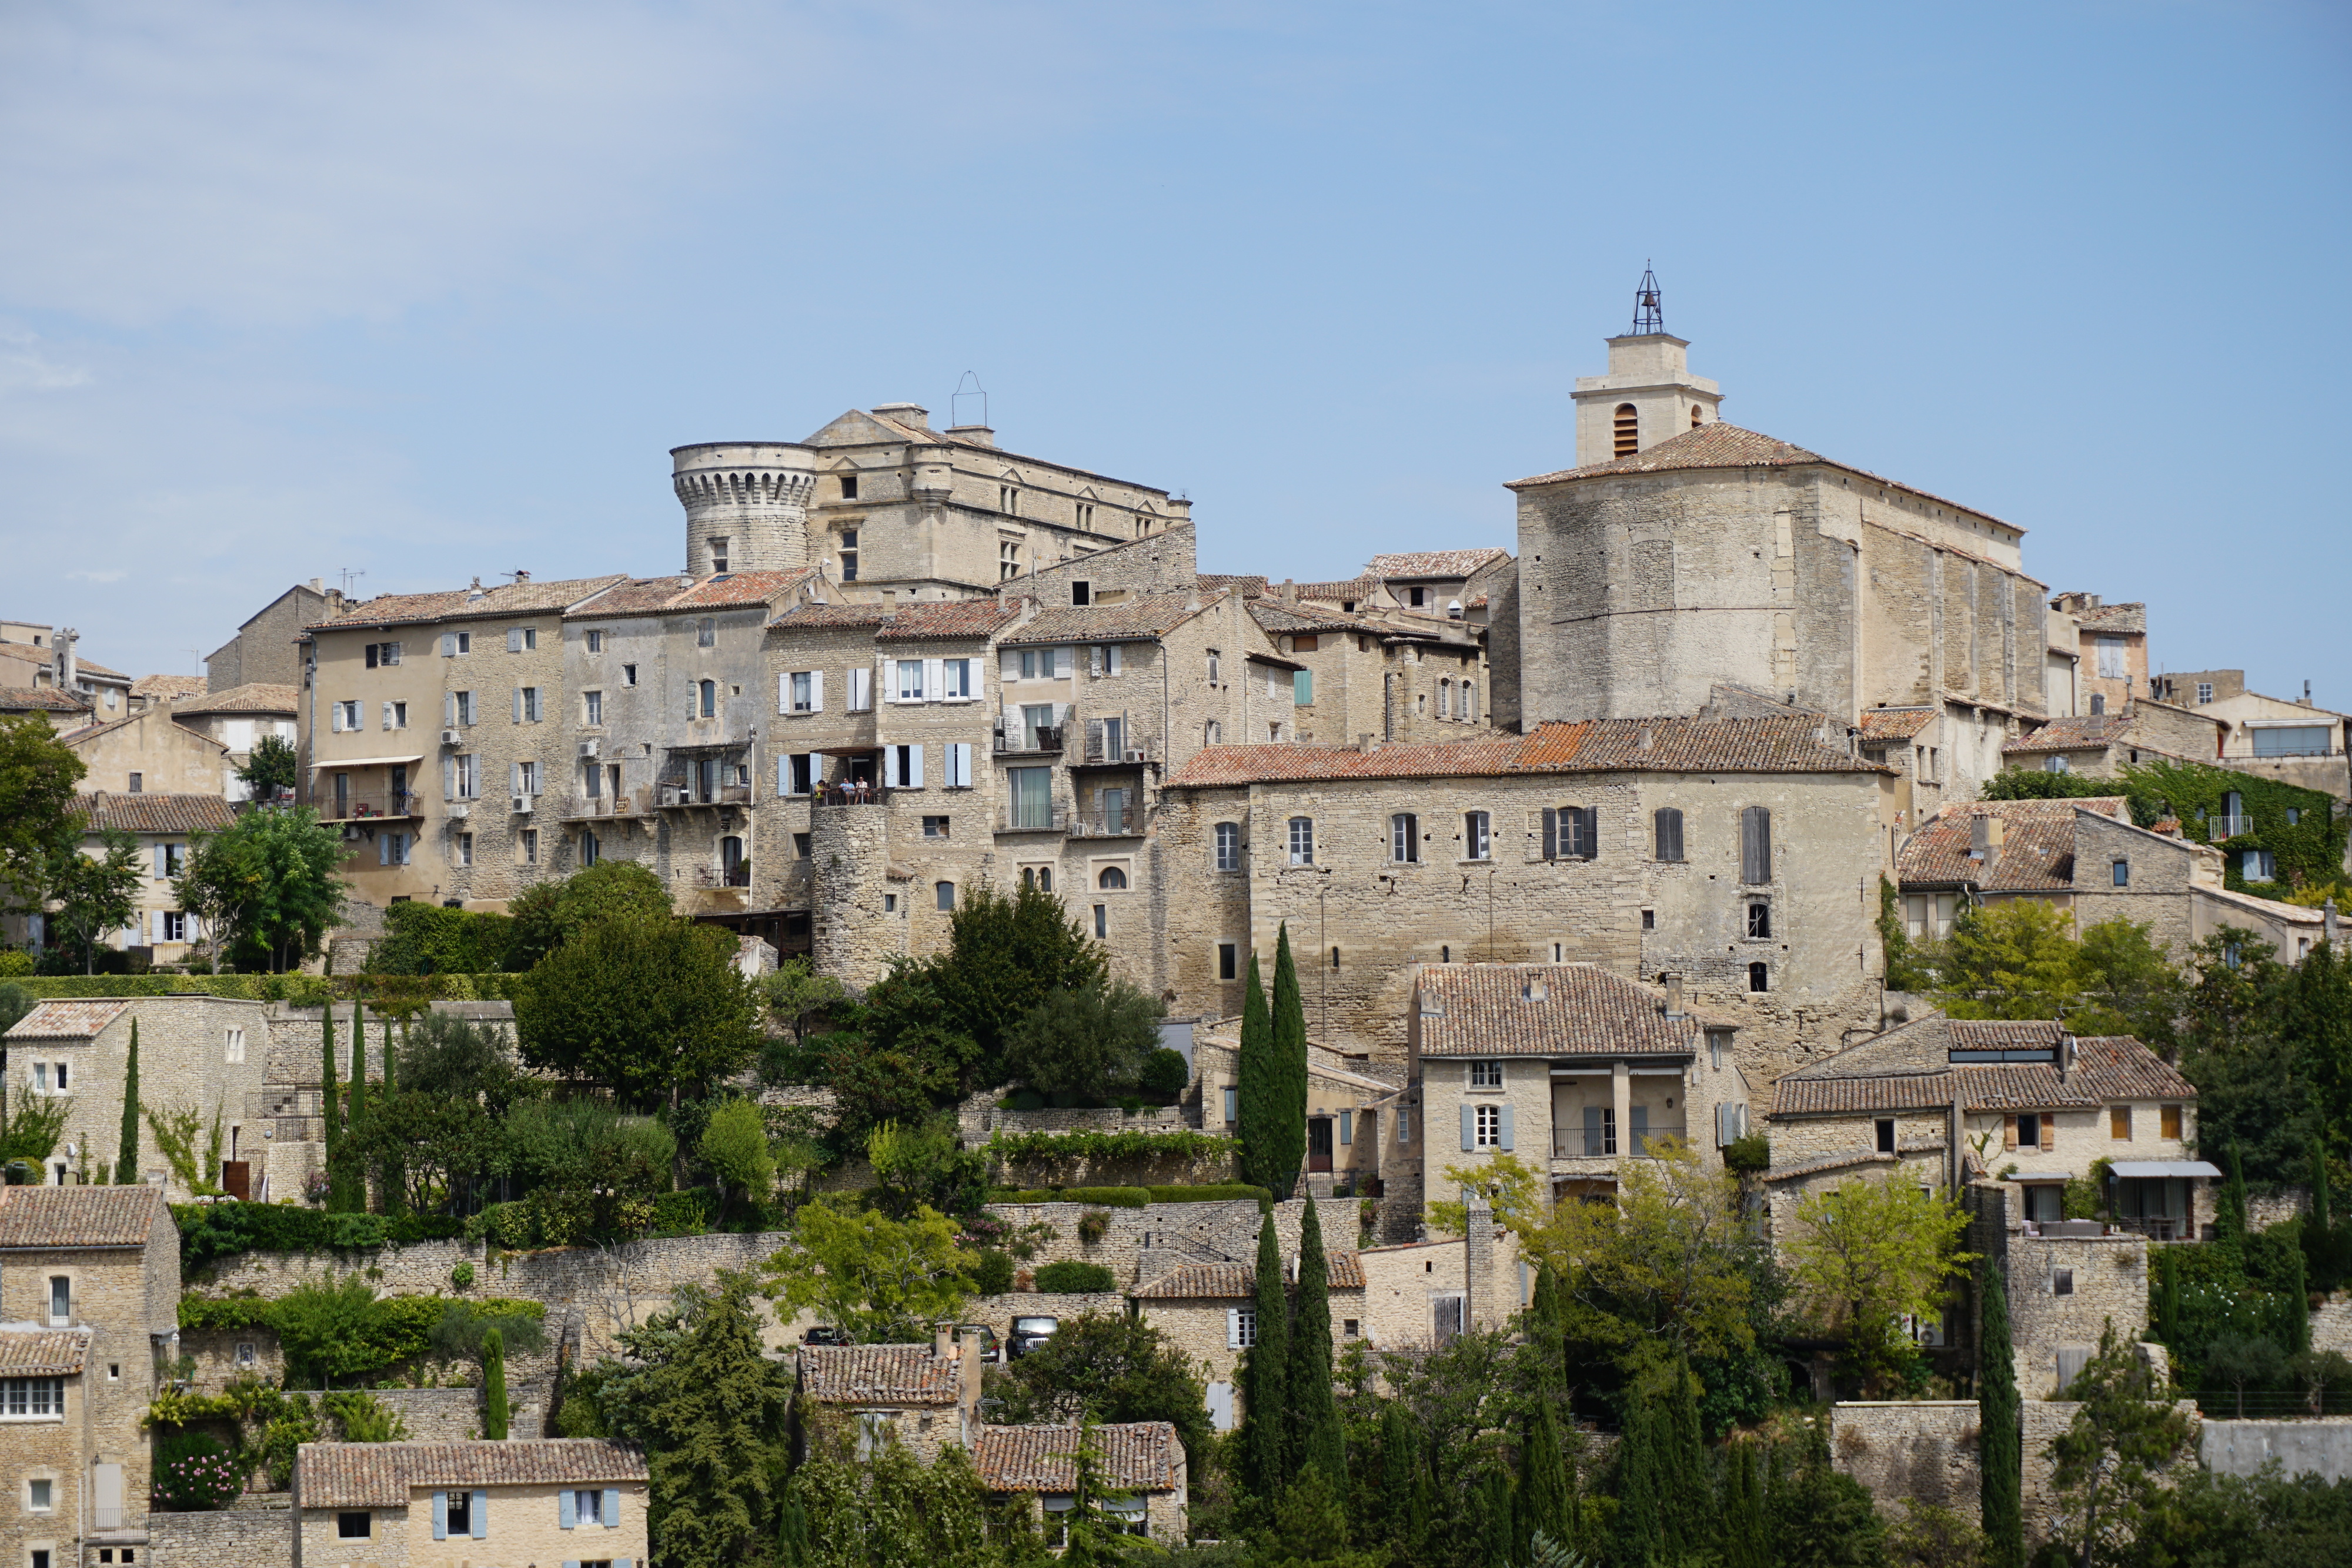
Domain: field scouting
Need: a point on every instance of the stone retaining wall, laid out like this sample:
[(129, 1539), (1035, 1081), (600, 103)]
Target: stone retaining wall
[(2331, 1325), (2321, 1447), (1923, 1451), (256, 1533)]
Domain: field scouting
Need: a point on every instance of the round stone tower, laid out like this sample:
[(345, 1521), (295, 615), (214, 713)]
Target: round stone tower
[(746, 505), (854, 936)]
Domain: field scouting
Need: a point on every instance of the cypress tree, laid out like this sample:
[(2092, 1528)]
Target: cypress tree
[(330, 1101), (2230, 1213), (1258, 1096), (1747, 1541), (494, 1387), (1639, 1539), (1682, 1471), (1314, 1413), (359, 1064), (126, 1159), (2001, 1448), (1264, 1428), (393, 1179), (1399, 1485), (1547, 1333), (1544, 1495), (1290, 1070)]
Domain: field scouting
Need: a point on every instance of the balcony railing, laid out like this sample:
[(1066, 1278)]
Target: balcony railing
[(2158, 1228), (1032, 820), (580, 806), (1583, 1143), (668, 797), (359, 807), (106, 1516), (2220, 826), (849, 795), (1126, 824), (1045, 738), (736, 875)]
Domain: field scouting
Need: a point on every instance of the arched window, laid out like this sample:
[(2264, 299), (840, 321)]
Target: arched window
[(1229, 846), (1469, 703), (1699, 416), (945, 891), (1112, 879), (1629, 430), (1028, 876), (1444, 698)]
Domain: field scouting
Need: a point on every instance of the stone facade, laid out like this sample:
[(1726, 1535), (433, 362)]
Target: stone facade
[(152, 752), (2321, 1447), (1922, 1451), (392, 1499), (267, 647), (2063, 1291), (254, 1531)]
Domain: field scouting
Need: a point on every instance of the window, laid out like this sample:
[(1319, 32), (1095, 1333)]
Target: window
[(460, 1514), (2055, 764), (465, 849), (1302, 841), (1627, 428), (2204, 691), (1302, 687), (595, 641), (40, 1494), (527, 705), (1229, 958), (1487, 1127), (392, 849), (849, 555), (171, 860), (465, 777), (1759, 921), (1417, 597), (1755, 846), (955, 679), (801, 853), (530, 846), (1719, 1046), (1759, 976), (935, 826), (461, 707), (1571, 833), (801, 692), (383, 654), (944, 893), (353, 1525), (2061, 1281), (31, 1398), (1008, 499), (1112, 879), (1404, 1125), (902, 766), (594, 703), (1081, 591), (910, 680), (1886, 1134), (1216, 662), (233, 1046), (719, 555), (1008, 560), (958, 761), (2111, 659), (1485, 1076), (1404, 838), (138, 784), (1213, 733), (1229, 846), (849, 493), (590, 847), (2121, 871), (1648, 922), (1477, 836), (2292, 741), (588, 1508), (1669, 823), (1244, 1326), (521, 639), (2259, 865), (2119, 1123), (1469, 702), (628, 675), (346, 716), (526, 778), (2167, 1121), (705, 633), (704, 703)]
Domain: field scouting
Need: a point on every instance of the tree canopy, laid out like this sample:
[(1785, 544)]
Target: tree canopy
[(879, 1279), (270, 886), (651, 1009), (38, 776)]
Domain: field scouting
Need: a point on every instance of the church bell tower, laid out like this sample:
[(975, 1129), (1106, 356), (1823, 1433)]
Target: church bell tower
[(1649, 394)]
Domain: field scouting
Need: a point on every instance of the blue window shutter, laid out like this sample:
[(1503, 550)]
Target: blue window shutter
[(1550, 833), (480, 1516), (441, 1501), (611, 1508), (623, 1562), (1507, 1127), (1469, 1127), (1593, 1142), (1347, 1127), (563, 1509), (1641, 1130)]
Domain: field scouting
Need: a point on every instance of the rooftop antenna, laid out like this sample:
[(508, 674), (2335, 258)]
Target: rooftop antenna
[(956, 403), (1647, 317), (348, 574)]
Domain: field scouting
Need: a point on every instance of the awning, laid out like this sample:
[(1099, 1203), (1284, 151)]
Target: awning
[(364, 762), (2163, 1168), (2042, 1175)]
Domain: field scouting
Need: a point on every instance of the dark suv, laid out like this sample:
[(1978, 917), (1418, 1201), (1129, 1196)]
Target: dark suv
[(1028, 1334), (824, 1333)]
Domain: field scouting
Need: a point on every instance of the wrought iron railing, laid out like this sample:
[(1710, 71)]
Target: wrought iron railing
[(361, 807)]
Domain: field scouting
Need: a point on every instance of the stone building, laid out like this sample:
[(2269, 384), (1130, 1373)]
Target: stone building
[(436, 1505), (1141, 1460), (1401, 677), (268, 647), (2025, 1102), (150, 752), (2104, 651), (238, 719), (1345, 1107), (166, 828), (200, 1053), (2293, 741), (90, 1295), (925, 1397), (63, 710), (1208, 1310), (1742, 855), (2084, 855), (2099, 745), (161, 691)]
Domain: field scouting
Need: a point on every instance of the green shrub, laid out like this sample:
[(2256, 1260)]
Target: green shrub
[(1165, 1074), (427, 939), (214, 1230), (993, 1277), (1211, 1192), (193, 1474), (1072, 1278), (1749, 1154), (1093, 1225), (15, 961)]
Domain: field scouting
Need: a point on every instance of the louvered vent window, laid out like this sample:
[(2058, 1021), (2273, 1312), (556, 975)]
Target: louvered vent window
[(1629, 430)]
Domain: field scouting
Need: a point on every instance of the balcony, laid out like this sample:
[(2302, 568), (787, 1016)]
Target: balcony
[(1588, 1143), (1126, 824), (849, 795), (1031, 821), (673, 797), (1043, 741), (736, 875), (388, 804), (1099, 755), (2221, 826), (581, 807)]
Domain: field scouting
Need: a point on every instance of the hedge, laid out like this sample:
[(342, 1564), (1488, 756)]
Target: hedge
[(407, 1317), (304, 990), (1072, 1278), (212, 1230), (1133, 1196), (1065, 1148)]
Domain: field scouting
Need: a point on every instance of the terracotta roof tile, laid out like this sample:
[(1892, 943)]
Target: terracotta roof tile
[(633, 596), (37, 1216), (1237, 1282), (1252, 584), (166, 688), (40, 699), (1132, 620), (1134, 1455), (1274, 615), (878, 1374), (42, 1353), (739, 589), (155, 813), (1881, 725), (1903, 1092), (2114, 618), (821, 616), (384, 1475), (1359, 589), (255, 697), (1909, 1068), (947, 620), (466, 603), (68, 1019), (1433, 562), (2077, 732), (92, 668), (2037, 851), (1218, 766), (2119, 1067), (1543, 1009)]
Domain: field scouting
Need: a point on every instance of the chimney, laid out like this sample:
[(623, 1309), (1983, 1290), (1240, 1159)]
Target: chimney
[(943, 1339), (913, 415), (1644, 738), (1479, 1263), (67, 666), (315, 586), (1984, 840), (968, 1383), (2327, 922), (2307, 693), (1674, 996)]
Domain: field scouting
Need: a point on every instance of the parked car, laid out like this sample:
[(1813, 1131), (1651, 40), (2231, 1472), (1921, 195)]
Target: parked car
[(1028, 1334), (991, 1347), (825, 1334)]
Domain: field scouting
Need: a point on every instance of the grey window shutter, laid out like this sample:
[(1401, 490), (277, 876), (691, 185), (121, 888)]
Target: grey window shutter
[(1062, 662), (563, 1515), (1641, 1130), (1506, 1128), (1550, 833), (441, 1501), (1756, 846), (611, 1508), (1593, 1143), (480, 1516), (1593, 833), (1469, 1127)]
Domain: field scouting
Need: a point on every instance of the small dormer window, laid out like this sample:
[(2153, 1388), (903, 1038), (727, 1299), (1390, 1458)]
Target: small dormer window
[(1532, 990)]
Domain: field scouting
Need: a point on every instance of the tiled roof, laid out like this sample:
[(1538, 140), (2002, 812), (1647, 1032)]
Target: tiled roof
[(633, 596), (947, 620), (25, 654), (1252, 584), (878, 1374), (92, 668), (2078, 732), (73, 1018), (1909, 1068), (1903, 1092), (740, 587), (1601, 746), (1147, 615), (1433, 562), (155, 813), (253, 697), (802, 616), (2037, 849), (44, 699), (1543, 1009), (1881, 725), (1924, 1045), (1135, 1456), (383, 1475), (37, 1216), (1717, 446), (2118, 1067), (1359, 589), (2114, 618), (41, 1353), (165, 688), (468, 603), (1237, 1282), (1817, 1164), (1276, 616)]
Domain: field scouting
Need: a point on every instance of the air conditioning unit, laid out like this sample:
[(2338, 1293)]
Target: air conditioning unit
[(451, 737), (1133, 754), (522, 804), (458, 810), (588, 748)]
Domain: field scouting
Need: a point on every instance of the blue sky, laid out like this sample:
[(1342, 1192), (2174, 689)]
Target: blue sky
[(427, 290)]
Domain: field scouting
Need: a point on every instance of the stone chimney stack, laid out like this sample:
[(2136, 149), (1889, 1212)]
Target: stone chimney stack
[(1480, 1302), (1674, 996), (1984, 842), (68, 668)]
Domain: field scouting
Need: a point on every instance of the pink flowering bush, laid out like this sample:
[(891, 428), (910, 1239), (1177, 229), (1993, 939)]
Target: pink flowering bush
[(193, 1473)]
